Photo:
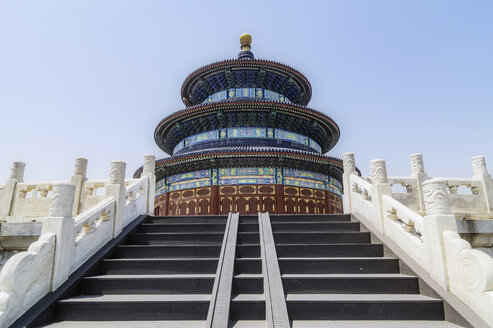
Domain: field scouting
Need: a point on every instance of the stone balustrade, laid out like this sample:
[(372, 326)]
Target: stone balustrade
[(468, 197), (75, 223), (427, 230)]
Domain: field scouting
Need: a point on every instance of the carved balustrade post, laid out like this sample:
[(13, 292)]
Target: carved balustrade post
[(116, 189), (349, 169), (79, 179), (7, 196), (149, 171), (486, 184), (60, 223), (437, 220), (380, 187), (418, 173)]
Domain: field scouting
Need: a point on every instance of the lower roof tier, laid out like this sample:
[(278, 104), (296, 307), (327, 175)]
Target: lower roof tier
[(246, 112), (248, 156)]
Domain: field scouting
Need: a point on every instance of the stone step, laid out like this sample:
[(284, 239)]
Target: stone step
[(148, 284), (369, 324), (350, 284), (188, 219), (248, 238), (329, 250), (159, 266), (182, 227), (257, 324), (247, 307), (248, 284), (130, 324), (311, 221), (134, 307), (178, 251), (248, 227), (310, 217), (363, 307), (315, 227), (167, 251), (248, 250), (176, 238), (344, 324), (321, 237), (248, 218), (248, 265), (333, 265)]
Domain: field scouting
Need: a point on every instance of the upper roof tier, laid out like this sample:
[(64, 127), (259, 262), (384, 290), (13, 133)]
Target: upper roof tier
[(246, 72)]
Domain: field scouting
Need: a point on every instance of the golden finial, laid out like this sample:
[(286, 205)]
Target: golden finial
[(246, 41)]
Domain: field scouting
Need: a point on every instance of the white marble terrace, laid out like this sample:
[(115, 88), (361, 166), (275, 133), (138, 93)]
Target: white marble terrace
[(76, 218), (422, 222)]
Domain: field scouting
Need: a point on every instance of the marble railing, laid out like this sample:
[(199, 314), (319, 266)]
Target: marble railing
[(67, 240), (430, 238), (92, 229), (470, 198), (410, 197), (135, 199)]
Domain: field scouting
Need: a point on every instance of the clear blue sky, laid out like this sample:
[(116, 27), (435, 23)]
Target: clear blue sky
[(93, 78)]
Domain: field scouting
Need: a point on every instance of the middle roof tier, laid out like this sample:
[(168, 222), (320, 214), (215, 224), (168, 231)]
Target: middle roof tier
[(245, 113)]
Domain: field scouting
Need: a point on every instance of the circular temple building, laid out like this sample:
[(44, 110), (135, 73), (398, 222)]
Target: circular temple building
[(247, 143)]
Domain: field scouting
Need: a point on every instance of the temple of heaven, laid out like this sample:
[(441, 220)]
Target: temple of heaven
[(247, 142)]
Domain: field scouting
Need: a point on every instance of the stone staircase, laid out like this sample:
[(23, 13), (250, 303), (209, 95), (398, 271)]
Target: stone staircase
[(163, 275), (331, 271), (164, 271)]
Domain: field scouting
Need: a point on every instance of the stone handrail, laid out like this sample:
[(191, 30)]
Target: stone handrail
[(431, 240), (32, 199), (403, 224), (93, 192), (361, 195), (410, 198), (472, 203), (73, 239), (476, 204), (135, 199), (93, 228), (469, 203)]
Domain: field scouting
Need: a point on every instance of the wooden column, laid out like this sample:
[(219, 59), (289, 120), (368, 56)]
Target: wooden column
[(166, 205), (327, 202), (215, 200), (279, 199)]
